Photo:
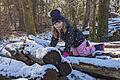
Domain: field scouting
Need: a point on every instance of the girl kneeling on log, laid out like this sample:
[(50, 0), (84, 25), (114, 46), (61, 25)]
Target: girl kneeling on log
[(73, 37)]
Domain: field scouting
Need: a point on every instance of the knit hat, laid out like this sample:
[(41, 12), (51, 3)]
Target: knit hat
[(56, 16)]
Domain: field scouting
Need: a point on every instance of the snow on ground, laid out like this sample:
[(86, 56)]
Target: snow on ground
[(77, 75), (113, 26), (99, 62), (39, 41), (34, 45), (4, 52), (10, 67), (117, 43), (20, 79), (31, 48), (45, 36), (112, 50)]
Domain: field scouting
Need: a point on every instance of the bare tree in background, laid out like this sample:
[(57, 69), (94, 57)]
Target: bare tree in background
[(19, 8), (103, 20), (92, 20), (86, 15), (28, 16), (5, 23)]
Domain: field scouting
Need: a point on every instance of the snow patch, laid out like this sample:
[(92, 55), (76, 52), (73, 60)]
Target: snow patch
[(77, 75), (10, 67), (99, 62)]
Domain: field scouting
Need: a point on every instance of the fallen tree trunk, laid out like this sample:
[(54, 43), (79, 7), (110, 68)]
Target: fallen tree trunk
[(20, 56), (112, 45), (50, 74), (12, 69), (24, 53), (99, 72), (52, 57), (48, 55), (107, 69)]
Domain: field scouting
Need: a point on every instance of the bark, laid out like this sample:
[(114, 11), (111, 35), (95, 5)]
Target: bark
[(34, 8), (52, 57), (103, 20), (92, 21), (86, 15), (50, 74), (20, 57), (6, 74), (93, 70), (97, 70), (28, 16), (64, 68), (19, 8)]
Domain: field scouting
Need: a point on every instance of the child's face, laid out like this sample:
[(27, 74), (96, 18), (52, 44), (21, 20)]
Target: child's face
[(58, 25)]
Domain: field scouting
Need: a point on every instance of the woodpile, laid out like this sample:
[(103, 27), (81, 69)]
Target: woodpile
[(51, 57), (50, 74), (13, 69)]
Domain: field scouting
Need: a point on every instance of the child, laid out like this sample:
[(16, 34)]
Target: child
[(73, 38)]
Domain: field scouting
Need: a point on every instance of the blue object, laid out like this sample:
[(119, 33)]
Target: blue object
[(99, 47)]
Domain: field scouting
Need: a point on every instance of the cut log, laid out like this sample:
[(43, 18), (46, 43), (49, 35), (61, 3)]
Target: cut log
[(112, 46), (98, 72), (16, 69), (19, 56), (64, 68), (48, 55), (107, 68), (39, 55), (52, 57), (50, 75)]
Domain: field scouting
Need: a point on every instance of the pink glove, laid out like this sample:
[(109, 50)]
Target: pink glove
[(65, 54)]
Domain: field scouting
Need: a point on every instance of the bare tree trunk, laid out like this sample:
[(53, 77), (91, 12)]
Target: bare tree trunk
[(40, 16), (5, 20), (19, 8), (86, 15), (28, 16), (103, 20), (92, 20), (34, 7)]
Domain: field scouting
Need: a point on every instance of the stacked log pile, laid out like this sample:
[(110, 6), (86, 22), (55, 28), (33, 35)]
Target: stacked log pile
[(52, 56), (16, 69), (49, 55)]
